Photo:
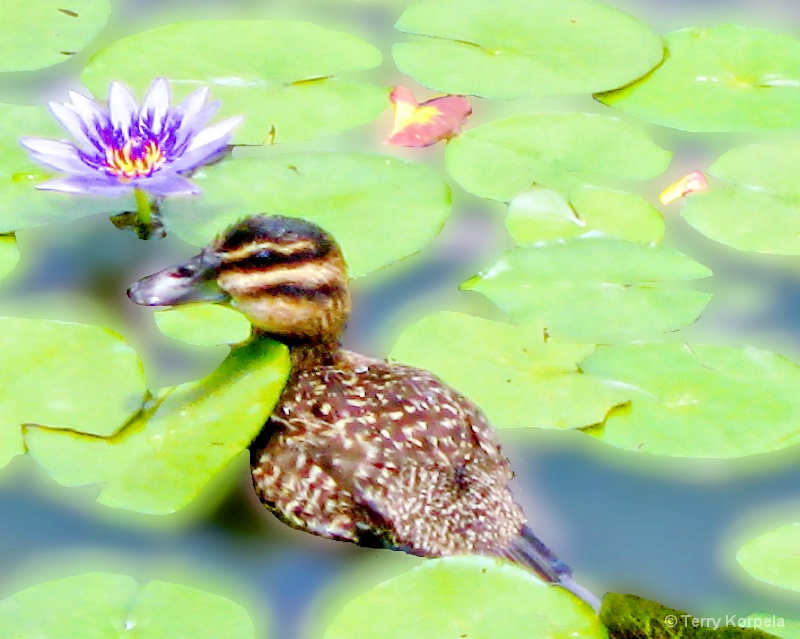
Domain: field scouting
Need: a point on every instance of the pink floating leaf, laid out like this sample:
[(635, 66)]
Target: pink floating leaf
[(419, 125)]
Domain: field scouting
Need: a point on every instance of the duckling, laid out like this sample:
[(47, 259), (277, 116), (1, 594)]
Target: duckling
[(357, 449)]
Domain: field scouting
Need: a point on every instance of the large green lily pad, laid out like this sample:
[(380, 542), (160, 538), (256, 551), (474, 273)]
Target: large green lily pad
[(105, 606), (21, 205), (466, 597), (379, 208), (514, 373), (541, 214), (774, 557), (507, 49), (699, 401), (723, 78), (758, 207), (204, 324), (69, 376), (279, 74), (43, 33), (594, 288), (560, 151), (180, 440)]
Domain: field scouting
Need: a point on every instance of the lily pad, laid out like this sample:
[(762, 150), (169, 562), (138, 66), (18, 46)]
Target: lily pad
[(466, 597), (777, 626), (9, 254), (774, 557), (69, 376), (40, 34), (278, 74), (507, 49), (514, 373), (758, 208), (723, 78), (21, 205), (181, 439), (699, 401), (106, 606), (204, 324), (379, 208), (560, 151), (540, 214), (594, 288)]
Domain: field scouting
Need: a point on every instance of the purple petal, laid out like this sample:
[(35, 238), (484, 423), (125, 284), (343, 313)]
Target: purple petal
[(157, 101), (61, 156), (220, 131), (192, 105), (72, 123), (166, 183), (190, 127), (121, 105), (204, 155), (88, 110), (86, 185)]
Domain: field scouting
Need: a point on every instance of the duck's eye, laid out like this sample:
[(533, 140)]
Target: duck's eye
[(183, 271)]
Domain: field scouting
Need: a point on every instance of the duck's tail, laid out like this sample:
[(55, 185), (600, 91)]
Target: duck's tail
[(530, 551)]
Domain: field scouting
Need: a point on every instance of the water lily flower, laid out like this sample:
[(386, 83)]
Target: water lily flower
[(692, 183), (418, 125), (127, 146)]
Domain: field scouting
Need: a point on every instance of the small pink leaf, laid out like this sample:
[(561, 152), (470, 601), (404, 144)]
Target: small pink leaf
[(425, 124)]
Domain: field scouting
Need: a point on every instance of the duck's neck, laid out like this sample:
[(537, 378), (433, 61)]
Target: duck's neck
[(306, 355)]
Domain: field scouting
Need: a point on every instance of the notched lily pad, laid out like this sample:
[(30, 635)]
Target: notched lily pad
[(106, 606), (519, 377), (63, 375), (40, 34), (21, 205), (506, 49), (774, 557), (9, 254), (594, 288), (560, 151), (541, 214), (379, 208), (442, 593), (279, 74), (758, 206), (723, 78), (181, 439), (204, 324), (699, 401)]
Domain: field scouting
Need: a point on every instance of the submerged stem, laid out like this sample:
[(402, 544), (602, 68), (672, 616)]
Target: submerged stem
[(145, 221)]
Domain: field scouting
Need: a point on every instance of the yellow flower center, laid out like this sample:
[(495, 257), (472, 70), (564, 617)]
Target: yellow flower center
[(134, 160)]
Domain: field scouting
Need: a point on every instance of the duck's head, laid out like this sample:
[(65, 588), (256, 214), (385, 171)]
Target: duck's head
[(287, 275)]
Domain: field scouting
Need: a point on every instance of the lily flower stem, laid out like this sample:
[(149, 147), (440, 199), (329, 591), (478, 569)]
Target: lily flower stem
[(144, 207)]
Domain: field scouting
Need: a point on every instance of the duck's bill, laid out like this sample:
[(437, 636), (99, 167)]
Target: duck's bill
[(191, 281)]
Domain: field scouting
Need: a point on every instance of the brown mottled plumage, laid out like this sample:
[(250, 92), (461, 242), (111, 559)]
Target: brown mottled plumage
[(357, 449)]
